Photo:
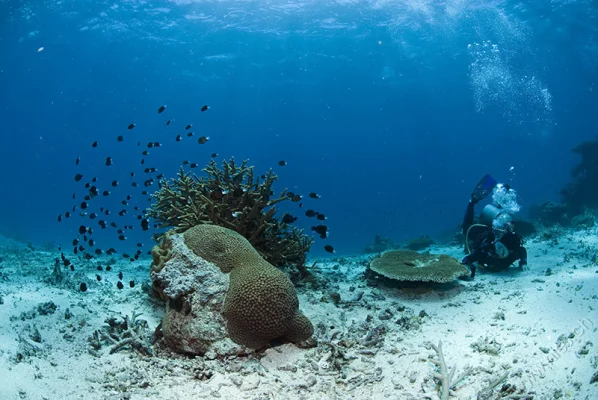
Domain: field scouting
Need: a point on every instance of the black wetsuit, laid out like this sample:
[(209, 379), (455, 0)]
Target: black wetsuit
[(483, 249)]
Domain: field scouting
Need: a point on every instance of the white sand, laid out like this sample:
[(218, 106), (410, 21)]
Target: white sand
[(541, 330)]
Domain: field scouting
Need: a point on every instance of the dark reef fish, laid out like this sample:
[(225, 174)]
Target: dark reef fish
[(161, 109)]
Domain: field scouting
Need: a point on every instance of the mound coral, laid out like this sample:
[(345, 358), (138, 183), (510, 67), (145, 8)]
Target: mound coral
[(261, 303), (232, 197), (409, 265)]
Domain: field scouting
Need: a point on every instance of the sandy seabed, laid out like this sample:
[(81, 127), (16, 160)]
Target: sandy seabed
[(519, 334)]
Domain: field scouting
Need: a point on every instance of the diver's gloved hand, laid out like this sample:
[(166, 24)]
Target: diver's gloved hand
[(468, 277)]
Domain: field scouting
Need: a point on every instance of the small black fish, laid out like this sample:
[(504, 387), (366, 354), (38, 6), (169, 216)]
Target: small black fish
[(108, 267), (296, 198), (122, 237), (98, 278), (87, 185), (119, 285), (120, 138), (83, 205), (142, 161), (288, 218), (204, 108), (185, 162), (94, 179), (108, 161), (203, 139), (99, 268), (145, 152), (132, 284), (106, 193), (131, 126), (94, 144), (114, 183), (189, 134), (157, 144), (75, 242), (83, 287), (132, 174), (310, 213), (329, 248), (90, 242), (120, 275), (77, 160), (321, 217), (168, 122), (134, 184), (214, 155), (161, 109), (178, 138), (188, 127), (93, 216), (93, 191), (74, 195), (314, 195), (321, 230), (150, 145), (282, 163), (59, 217), (193, 165), (67, 214), (144, 224), (78, 177), (98, 252)]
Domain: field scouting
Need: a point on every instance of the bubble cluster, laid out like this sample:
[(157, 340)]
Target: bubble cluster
[(496, 83)]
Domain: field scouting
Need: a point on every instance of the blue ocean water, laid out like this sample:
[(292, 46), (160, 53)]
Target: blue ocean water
[(390, 110)]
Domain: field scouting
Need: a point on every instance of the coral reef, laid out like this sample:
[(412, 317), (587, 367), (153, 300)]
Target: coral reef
[(420, 243), (261, 303), (380, 245), (232, 197), (582, 191), (409, 265), (550, 213)]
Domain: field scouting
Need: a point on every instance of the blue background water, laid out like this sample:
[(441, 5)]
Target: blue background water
[(391, 110)]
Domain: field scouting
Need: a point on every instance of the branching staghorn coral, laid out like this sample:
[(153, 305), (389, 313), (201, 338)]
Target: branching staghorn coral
[(232, 197)]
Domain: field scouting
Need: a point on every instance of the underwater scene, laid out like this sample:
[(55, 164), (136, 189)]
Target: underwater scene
[(299, 199)]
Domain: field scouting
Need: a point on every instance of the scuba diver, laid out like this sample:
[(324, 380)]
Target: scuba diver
[(492, 242)]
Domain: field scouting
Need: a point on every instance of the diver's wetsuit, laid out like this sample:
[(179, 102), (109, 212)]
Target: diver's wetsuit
[(483, 250)]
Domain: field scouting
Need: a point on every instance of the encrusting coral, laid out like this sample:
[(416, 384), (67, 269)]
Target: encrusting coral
[(261, 303), (232, 197), (409, 265)]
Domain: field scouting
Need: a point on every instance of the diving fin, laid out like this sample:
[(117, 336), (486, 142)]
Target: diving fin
[(483, 188)]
